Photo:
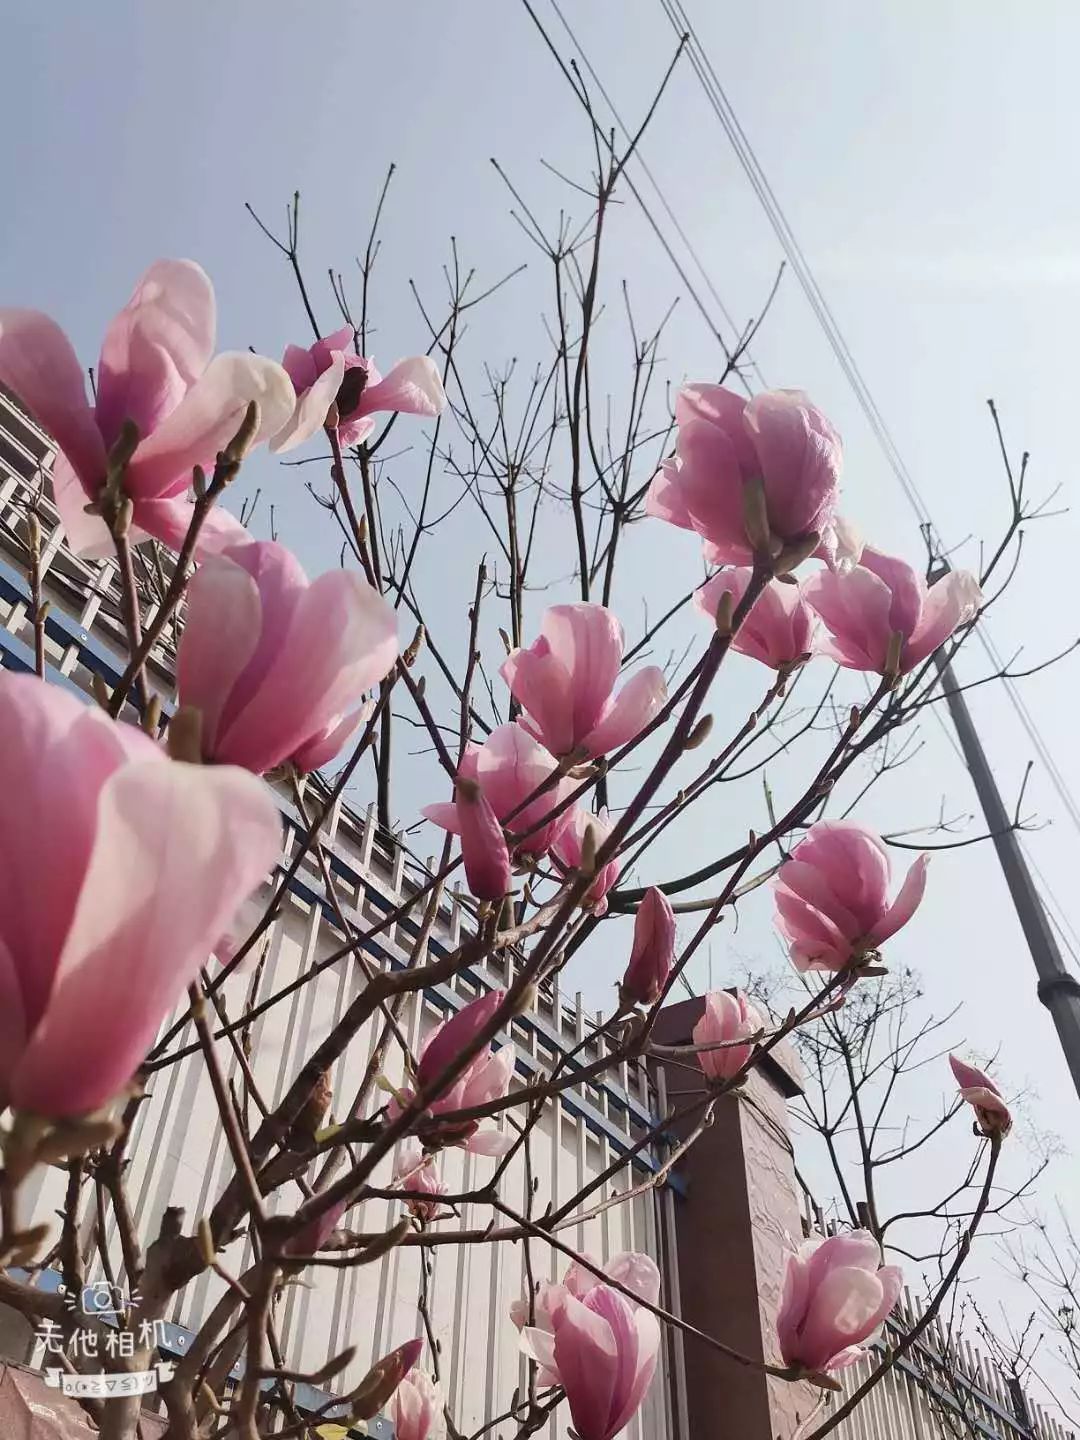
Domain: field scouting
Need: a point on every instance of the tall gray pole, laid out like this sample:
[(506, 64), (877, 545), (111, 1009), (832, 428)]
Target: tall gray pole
[(1058, 988)]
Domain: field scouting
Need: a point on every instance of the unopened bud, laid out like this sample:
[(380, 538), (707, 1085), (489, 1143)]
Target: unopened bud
[(795, 552), (854, 718), (382, 1380), (893, 654), (725, 612), (205, 1238), (33, 535), (101, 690), (151, 718), (43, 612), (125, 513), (587, 863), (198, 481), (506, 640), (183, 739), (756, 516), (409, 654), (241, 442), (700, 733), (123, 448)]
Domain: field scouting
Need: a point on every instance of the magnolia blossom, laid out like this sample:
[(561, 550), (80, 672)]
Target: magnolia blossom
[(156, 372), (331, 373), (417, 1409), (881, 597), (414, 1170), (723, 442), (832, 896), (652, 952), (595, 1342), (485, 1078), (509, 767), (121, 870), (836, 1295), (980, 1092), (274, 663), (727, 1017), (569, 849), (564, 682), (778, 631), (383, 1379), (313, 1236), (483, 844)]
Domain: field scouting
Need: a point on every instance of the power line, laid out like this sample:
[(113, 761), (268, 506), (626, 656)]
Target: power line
[(675, 11)]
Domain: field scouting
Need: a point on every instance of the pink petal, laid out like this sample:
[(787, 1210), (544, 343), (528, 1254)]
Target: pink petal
[(820, 943), (87, 535), (587, 1359), (170, 520), (844, 1309), (855, 608), (13, 1023), (322, 748), (311, 410), (665, 498), (839, 1252), (176, 849), (38, 365), (642, 697), (460, 1031), (810, 883), (207, 419), (906, 903), (588, 641), (539, 1345), (299, 365), (443, 813), (341, 640), (710, 483), (969, 1078), (724, 409), (221, 632), (637, 1272), (793, 1302), (483, 845), (841, 545), (543, 687), (952, 601), (906, 586), (156, 348), (413, 387), (489, 1141), (800, 456)]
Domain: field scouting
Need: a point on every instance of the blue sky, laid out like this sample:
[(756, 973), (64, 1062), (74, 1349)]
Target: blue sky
[(925, 158)]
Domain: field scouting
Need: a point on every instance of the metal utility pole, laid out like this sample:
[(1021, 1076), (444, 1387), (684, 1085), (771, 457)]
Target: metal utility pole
[(1058, 988)]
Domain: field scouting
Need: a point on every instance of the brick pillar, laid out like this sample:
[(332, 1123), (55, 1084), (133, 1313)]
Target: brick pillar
[(738, 1206)]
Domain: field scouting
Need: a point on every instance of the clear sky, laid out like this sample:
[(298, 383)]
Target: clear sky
[(925, 157)]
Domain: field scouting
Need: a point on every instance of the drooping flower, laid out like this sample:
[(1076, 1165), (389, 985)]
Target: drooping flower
[(881, 597), (416, 1171), (778, 438), (564, 683), (569, 848), (832, 896), (483, 844), (727, 1017), (273, 662), (486, 1077), (417, 1409), (121, 869), (509, 767), (836, 1295), (156, 372), (652, 952), (602, 1349), (778, 631), (331, 373), (980, 1092)]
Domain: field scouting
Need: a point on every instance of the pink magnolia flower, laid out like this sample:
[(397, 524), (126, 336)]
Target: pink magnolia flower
[(383, 1379), (310, 1239), (414, 1170), (508, 767), (630, 1268), (564, 683), (568, 849), (417, 1409), (836, 1295), (832, 896), (275, 663), (121, 870), (723, 441), (727, 1017), (483, 845), (156, 371), (652, 952), (991, 1112), (330, 372), (883, 596), (602, 1349), (486, 1077), (779, 630)]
